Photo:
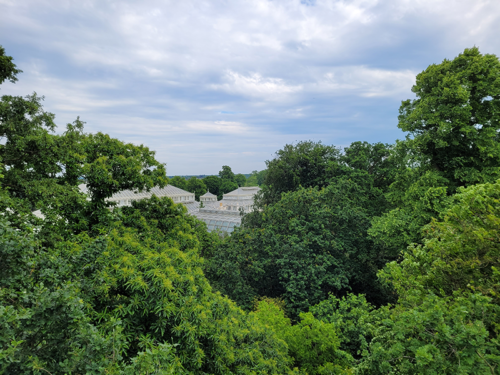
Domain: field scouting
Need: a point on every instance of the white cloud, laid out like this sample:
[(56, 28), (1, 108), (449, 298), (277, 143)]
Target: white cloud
[(255, 85), (366, 82)]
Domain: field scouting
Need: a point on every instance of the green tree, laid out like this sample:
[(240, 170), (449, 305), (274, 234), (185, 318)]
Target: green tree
[(309, 244), (130, 300), (8, 70), (453, 141), (377, 160), (179, 182), (261, 177), (256, 178), (196, 186), (304, 164), (226, 186), (312, 343), (212, 183), (428, 334), (252, 180), (460, 252), (353, 316), (423, 198), (372, 167), (43, 169), (455, 119), (240, 179), (446, 318), (226, 173)]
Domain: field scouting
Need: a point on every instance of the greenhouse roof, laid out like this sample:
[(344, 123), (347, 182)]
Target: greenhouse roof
[(244, 191), (168, 190), (208, 195)]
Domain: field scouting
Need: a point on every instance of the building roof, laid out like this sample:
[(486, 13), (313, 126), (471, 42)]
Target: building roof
[(168, 190), (208, 195), (243, 191), (192, 207)]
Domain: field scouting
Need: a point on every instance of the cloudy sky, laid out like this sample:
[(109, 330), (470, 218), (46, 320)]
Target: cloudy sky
[(212, 83)]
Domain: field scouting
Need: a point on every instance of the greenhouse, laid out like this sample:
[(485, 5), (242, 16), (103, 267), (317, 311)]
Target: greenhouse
[(225, 214), (221, 215)]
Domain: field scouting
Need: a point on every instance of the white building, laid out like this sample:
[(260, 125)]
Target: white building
[(221, 215), (225, 214), (125, 197)]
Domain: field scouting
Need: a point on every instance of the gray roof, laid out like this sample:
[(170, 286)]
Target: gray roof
[(169, 190), (192, 207), (208, 194), (218, 216), (243, 191)]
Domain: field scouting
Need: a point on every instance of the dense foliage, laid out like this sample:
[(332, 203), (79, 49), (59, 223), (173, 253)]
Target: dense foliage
[(372, 259), (310, 243)]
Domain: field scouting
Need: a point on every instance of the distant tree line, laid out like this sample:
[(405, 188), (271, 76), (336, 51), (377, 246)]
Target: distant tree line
[(225, 182)]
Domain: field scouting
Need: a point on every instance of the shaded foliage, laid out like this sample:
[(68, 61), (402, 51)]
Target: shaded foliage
[(307, 245), (179, 182), (304, 164), (196, 186)]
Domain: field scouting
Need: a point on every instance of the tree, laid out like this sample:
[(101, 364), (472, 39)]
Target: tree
[(312, 343), (446, 318), (226, 186), (455, 120), (261, 177), (196, 186), (436, 335), (256, 178), (460, 252), (309, 244), (252, 180), (372, 167), (179, 182), (43, 169), (131, 299), (377, 160), (8, 70), (422, 198), (226, 174), (453, 141), (212, 183), (240, 179), (304, 164), (354, 318)]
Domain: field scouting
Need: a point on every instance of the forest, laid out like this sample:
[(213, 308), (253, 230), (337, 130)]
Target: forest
[(369, 259)]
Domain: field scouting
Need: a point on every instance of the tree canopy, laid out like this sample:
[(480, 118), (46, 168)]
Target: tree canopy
[(212, 183), (454, 121), (226, 173), (196, 186), (306, 245), (179, 182), (240, 179)]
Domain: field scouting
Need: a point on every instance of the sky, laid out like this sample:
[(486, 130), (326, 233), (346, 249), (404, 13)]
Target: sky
[(212, 83)]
